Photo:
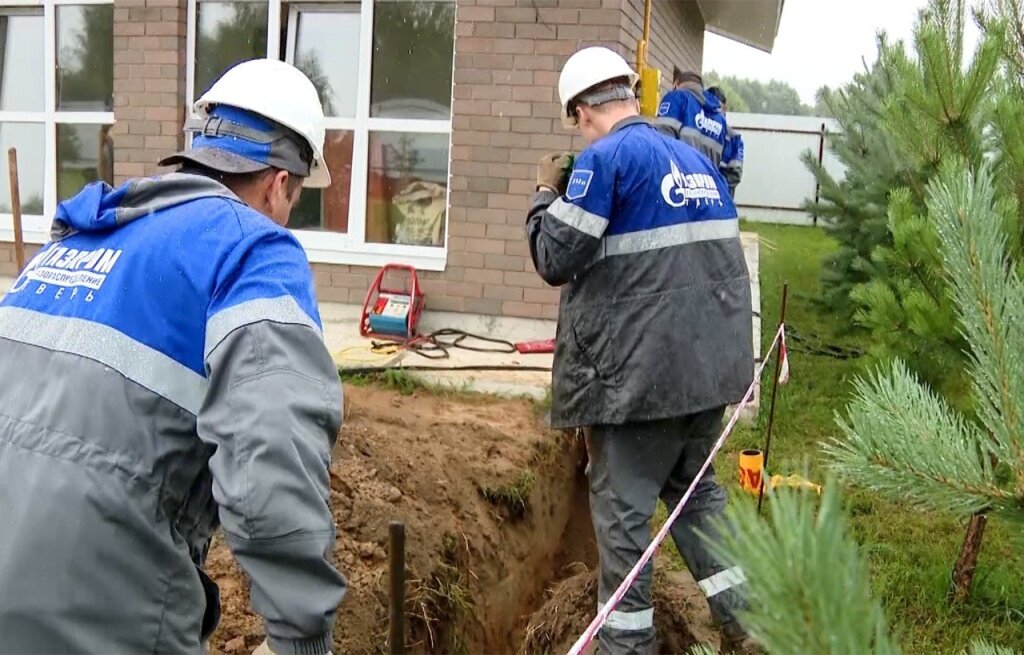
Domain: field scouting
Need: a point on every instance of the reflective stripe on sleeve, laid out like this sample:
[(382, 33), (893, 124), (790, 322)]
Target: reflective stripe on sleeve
[(576, 217), (132, 359), (283, 309)]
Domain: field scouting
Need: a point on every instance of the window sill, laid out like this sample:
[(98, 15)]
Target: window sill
[(320, 247)]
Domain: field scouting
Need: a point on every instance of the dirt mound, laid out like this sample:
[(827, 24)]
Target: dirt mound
[(496, 512), (681, 616)]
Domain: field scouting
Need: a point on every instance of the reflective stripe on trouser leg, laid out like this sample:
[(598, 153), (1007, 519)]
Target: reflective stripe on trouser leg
[(722, 581), (630, 464), (629, 621), (707, 504)]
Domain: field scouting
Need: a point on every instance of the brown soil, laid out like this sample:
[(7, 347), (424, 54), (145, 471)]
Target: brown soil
[(495, 512)]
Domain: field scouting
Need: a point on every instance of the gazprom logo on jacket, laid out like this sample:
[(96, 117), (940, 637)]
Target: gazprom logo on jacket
[(68, 268), (678, 188), (709, 125)]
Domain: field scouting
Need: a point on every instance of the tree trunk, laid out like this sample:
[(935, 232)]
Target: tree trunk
[(967, 562)]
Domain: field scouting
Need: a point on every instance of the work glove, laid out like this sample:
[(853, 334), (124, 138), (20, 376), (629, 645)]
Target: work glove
[(553, 171), (264, 649)]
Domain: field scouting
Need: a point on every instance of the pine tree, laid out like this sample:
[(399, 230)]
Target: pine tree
[(916, 113), (807, 582)]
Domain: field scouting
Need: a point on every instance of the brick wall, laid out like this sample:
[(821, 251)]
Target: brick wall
[(149, 84)]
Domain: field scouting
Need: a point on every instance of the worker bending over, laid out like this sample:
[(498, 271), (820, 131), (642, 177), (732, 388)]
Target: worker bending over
[(731, 165), (171, 376), (654, 331), (686, 114)]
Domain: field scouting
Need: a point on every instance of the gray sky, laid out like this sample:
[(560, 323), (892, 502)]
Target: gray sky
[(820, 42)]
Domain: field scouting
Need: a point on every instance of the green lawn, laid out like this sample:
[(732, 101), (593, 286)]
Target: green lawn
[(910, 553)]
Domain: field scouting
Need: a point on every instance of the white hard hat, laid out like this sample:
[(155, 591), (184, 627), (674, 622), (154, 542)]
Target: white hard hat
[(280, 92), (587, 68)]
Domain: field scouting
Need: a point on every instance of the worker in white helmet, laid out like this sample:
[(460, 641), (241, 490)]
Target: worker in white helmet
[(654, 332), (172, 377)]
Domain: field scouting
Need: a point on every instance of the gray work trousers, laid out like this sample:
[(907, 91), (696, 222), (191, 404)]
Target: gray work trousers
[(631, 467)]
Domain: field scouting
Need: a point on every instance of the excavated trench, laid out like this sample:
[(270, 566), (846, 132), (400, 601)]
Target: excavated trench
[(500, 553)]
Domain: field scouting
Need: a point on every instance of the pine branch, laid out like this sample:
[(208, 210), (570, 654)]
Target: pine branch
[(903, 441), (990, 301), (807, 585)]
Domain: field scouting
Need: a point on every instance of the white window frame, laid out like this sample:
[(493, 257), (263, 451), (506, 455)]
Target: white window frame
[(350, 248), (36, 229)]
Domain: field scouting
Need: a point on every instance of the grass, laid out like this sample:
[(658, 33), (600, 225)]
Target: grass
[(514, 497), (910, 554)]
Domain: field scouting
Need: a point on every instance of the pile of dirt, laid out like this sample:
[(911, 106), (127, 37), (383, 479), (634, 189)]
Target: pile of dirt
[(495, 512), (681, 614)]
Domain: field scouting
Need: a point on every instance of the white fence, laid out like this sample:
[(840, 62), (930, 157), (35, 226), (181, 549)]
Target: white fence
[(776, 183)]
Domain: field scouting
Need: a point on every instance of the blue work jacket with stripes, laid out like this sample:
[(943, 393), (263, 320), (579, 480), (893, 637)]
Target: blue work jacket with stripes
[(688, 112), (655, 314), (168, 375)]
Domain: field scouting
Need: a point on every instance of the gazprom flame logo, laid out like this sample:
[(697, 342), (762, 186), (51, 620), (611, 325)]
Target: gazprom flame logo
[(678, 188)]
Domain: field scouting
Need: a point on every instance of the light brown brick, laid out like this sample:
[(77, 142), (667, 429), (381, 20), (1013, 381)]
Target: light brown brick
[(465, 289), (502, 292), (486, 216), (518, 278), (561, 15), (503, 262), (485, 154), (538, 32), (514, 77), (533, 93), (163, 28), (550, 142), (549, 312), (444, 303), (485, 246), (488, 306), (506, 232), (160, 85), (534, 62), (500, 30), (161, 143), (510, 109), (488, 184), (472, 107), (466, 259), (546, 295), (555, 47), (490, 123), (468, 138), (156, 56), (475, 45), (517, 46), (491, 92), (485, 276), (474, 230), (472, 76), (475, 14), (524, 309)]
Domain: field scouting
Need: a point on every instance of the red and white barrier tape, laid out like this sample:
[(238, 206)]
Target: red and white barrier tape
[(613, 602)]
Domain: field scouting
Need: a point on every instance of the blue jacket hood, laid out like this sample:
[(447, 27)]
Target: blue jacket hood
[(99, 207), (711, 102)]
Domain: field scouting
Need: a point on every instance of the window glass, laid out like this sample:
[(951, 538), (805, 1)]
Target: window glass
[(21, 62), (85, 58), (227, 33), (327, 209), (327, 51), (413, 46), (407, 188), (28, 139), (85, 153)]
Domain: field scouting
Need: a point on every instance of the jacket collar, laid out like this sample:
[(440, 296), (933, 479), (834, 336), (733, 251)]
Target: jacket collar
[(626, 122)]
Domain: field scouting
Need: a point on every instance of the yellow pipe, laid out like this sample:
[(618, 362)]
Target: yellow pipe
[(641, 47), (650, 78)]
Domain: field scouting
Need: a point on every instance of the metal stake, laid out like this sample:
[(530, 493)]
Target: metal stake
[(396, 633), (771, 408)]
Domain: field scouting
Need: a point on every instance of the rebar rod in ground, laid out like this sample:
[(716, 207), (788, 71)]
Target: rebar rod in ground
[(19, 238), (779, 355), (396, 633)]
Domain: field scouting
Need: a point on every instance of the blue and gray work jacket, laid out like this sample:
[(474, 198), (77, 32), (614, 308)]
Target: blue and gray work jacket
[(165, 373), (687, 114), (655, 314)]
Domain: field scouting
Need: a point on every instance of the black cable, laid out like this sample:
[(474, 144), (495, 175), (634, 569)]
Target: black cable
[(384, 369)]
